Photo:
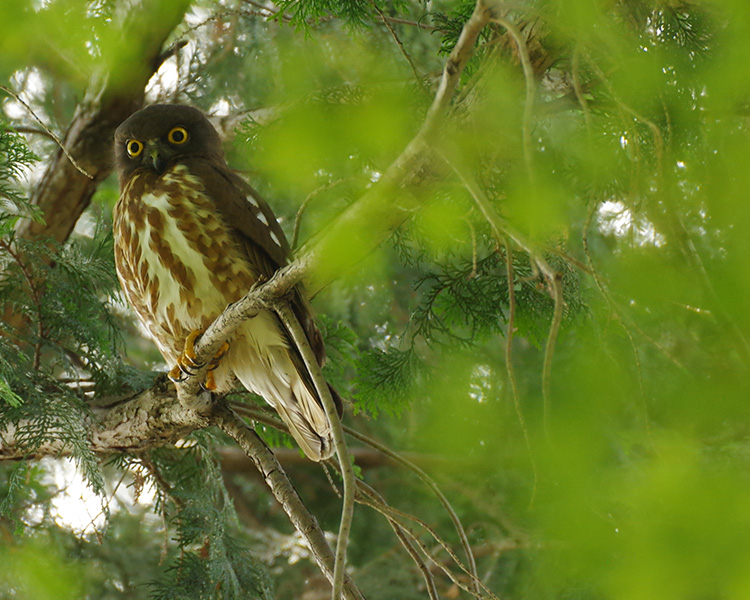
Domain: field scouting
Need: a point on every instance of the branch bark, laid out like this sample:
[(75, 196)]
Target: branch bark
[(164, 415), (134, 423), (363, 226), (63, 192), (282, 489)]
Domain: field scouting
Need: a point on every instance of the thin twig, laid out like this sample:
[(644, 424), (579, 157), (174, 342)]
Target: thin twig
[(395, 514), (347, 471), (260, 415), (576, 70), (616, 313), (410, 23), (455, 64), (271, 12), (398, 41), (549, 351), (655, 131), (404, 537), (509, 363), (500, 226), (429, 482), (273, 473), (528, 75), (34, 131), (49, 132), (504, 230), (303, 207), (473, 248)]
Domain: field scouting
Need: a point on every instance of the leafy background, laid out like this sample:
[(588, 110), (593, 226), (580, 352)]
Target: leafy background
[(614, 467)]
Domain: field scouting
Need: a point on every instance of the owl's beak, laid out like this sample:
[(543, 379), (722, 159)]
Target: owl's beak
[(155, 156)]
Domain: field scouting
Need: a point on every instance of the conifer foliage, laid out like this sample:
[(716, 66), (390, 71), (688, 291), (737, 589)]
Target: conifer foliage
[(524, 229)]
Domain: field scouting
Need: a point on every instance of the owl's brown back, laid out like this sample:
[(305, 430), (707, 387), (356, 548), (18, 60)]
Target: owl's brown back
[(192, 237)]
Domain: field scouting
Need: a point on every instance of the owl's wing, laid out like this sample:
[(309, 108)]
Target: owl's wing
[(265, 242)]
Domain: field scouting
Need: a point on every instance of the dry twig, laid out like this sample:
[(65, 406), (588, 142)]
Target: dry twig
[(273, 473), (47, 130)]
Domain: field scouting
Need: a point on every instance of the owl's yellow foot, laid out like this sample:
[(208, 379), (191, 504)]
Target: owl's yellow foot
[(187, 365), (210, 384)]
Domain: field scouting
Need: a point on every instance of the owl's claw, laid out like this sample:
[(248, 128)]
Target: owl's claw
[(176, 375), (210, 384), (187, 365)]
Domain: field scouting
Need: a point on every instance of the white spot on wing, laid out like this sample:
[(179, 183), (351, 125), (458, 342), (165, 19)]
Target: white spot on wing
[(262, 218), (253, 201), (275, 239)]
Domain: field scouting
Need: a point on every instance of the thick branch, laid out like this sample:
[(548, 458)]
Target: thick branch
[(136, 423), (63, 192)]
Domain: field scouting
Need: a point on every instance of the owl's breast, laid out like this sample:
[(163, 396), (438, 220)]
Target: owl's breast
[(179, 262)]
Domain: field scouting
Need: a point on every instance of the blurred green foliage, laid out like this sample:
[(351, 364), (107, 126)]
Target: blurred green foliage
[(615, 467)]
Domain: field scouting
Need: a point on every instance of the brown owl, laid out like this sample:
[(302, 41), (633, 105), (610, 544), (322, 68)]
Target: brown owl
[(191, 237)]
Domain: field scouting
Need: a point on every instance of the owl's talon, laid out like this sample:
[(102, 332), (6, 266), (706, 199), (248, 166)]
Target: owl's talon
[(188, 370), (187, 365), (216, 360), (188, 352), (210, 384), (176, 374)]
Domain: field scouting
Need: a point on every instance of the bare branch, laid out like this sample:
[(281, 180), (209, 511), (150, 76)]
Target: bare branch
[(410, 23), (509, 362), (462, 51), (403, 536), (549, 351), (618, 317), (528, 74), (345, 464), (397, 39), (576, 71), (47, 130), (373, 500), (263, 417), (273, 473), (429, 482), (303, 207)]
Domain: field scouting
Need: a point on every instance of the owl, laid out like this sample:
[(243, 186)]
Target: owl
[(191, 236)]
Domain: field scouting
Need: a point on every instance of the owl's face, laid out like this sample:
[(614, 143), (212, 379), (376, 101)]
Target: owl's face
[(159, 135)]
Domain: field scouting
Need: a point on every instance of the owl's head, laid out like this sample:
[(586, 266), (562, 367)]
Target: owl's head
[(155, 137)]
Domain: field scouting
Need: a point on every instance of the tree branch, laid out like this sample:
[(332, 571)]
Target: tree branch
[(47, 130), (134, 423), (63, 192), (160, 415), (345, 464), (528, 74), (273, 473), (509, 362), (359, 229)]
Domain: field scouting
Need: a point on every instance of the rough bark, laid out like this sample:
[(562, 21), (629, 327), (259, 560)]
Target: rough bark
[(162, 414), (63, 192), (134, 423)]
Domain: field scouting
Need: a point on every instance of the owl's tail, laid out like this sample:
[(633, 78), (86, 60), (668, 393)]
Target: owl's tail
[(267, 366)]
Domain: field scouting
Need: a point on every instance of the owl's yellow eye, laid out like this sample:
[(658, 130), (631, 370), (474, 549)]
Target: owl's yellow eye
[(134, 148), (178, 135)]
